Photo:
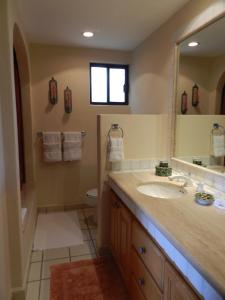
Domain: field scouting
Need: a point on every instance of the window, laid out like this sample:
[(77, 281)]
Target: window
[(109, 84)]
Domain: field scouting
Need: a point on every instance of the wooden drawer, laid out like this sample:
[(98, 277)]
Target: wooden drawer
[(144, 279), (151, 255), (135, 291)]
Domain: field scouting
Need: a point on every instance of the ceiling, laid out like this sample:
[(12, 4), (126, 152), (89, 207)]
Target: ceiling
[(211, 41), (117, 24)]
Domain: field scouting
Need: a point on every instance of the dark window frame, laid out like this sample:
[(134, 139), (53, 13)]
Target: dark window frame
[(126, 85)]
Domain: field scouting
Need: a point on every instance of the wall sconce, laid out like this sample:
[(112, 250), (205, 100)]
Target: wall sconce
[(68, 100), (184, 104), (195, 95), (53, 91)]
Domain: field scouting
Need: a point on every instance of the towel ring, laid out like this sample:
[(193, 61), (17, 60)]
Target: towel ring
[(115, 127), (217, 126)]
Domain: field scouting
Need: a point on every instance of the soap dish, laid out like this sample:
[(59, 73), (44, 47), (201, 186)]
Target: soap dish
[(204, 198)]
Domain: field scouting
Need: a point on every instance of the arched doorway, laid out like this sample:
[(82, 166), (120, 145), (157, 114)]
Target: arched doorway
[(220, 96), (20, 123), (24, 112), (222, 106)]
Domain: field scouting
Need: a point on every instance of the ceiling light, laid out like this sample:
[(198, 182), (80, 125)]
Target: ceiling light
[(193, 44), (88, 34)]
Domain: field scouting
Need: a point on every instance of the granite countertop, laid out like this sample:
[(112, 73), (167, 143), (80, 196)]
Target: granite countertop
[(198, 232)]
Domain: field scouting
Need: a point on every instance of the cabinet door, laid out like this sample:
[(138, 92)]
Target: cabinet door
[(175, 286), (124, 240), (114, 226)]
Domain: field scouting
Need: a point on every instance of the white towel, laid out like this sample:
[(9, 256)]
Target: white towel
[(116, 152), (218, 145), (52, 148), (72, 142)]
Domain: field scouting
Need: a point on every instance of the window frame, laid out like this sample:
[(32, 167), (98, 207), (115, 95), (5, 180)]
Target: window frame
[(108, 67)]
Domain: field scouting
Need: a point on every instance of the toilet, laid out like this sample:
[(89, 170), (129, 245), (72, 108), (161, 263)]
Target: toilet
[(91, 200)]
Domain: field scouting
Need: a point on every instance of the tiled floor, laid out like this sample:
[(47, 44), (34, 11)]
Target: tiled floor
[(38, 283)]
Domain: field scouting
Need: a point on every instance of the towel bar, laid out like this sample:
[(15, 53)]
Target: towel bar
[(39, 134)]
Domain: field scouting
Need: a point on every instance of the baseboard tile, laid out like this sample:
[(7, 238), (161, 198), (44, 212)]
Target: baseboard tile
[(67, 207), (18, 293)]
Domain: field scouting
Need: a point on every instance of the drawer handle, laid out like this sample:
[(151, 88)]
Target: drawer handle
[(141, 281), (142, 250)]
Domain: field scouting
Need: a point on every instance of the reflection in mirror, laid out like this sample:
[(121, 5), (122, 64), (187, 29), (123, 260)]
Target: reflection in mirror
[(200, 103)]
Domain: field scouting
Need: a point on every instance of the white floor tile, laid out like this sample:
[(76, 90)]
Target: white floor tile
[(36, 256), (46, 273), (83, 224), (56, 253), (33, 290), (83, 257), (35, 271), (93, 233), (80, 214), (95, 244), (45, 290), (89, 212), (86, 248), (86, 235)]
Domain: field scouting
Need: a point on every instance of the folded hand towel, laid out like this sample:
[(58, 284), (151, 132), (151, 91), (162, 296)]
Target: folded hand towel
[(116, 152), (72, 146), (52, 150), (218, 145)]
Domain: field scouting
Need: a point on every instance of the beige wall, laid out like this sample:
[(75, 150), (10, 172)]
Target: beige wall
[(144, 138), (5, 283), (65, 183), (154, 62), (217, 82), (195, 70), (17, 243), (206, 72), (193, 134)]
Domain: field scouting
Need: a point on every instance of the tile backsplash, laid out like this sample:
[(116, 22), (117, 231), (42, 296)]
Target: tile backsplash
[(209, 177), (135, 164)]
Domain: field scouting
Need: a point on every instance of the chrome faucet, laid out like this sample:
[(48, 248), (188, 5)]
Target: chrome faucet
[(187, 180)]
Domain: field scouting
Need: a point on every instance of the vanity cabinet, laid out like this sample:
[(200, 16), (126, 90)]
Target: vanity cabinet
[(146, 270), (120, 234)]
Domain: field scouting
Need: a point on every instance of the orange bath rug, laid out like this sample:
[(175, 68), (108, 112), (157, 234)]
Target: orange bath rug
[(95, 279)]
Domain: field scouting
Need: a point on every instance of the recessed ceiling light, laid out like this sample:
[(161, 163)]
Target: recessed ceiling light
[(193, 44), (88, 34)]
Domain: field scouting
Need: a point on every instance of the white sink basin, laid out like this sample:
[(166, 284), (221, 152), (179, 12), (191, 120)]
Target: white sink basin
[(164, 190)]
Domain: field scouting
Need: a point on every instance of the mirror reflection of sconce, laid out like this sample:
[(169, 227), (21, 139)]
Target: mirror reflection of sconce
[(184, 103), (68, 100), (53, 91), (195, 95)]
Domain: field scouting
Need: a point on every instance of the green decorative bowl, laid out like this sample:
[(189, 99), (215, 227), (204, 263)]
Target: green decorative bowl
[(163, 171)]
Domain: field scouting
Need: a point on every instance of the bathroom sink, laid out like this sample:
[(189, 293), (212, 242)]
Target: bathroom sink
[(164, 190)]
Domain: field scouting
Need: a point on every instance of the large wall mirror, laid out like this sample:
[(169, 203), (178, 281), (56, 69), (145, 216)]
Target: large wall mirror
[(200, 98)]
